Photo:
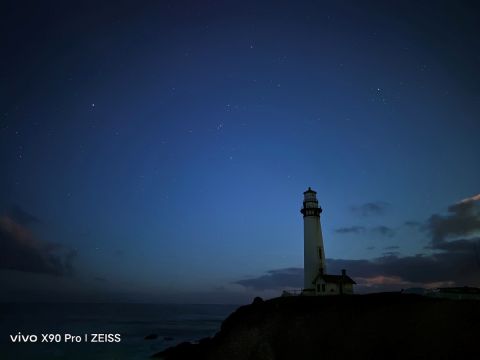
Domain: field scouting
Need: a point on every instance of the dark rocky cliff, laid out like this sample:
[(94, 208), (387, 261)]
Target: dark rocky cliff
[(377, 326)]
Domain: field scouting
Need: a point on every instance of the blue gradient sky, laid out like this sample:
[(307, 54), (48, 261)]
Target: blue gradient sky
[(166, 145)]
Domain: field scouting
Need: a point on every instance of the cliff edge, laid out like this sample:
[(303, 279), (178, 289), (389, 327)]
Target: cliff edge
[(375, 326)]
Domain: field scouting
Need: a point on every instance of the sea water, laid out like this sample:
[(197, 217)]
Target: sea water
[(102, 331)]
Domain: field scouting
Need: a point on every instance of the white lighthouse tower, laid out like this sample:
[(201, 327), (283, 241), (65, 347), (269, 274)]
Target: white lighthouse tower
[(316, 279), (313, 252)]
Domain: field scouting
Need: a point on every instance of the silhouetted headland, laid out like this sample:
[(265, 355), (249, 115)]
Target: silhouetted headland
[(375, 326)]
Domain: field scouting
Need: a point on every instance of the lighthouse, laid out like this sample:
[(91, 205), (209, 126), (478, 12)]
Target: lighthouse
[(316, 280), (313, 251)]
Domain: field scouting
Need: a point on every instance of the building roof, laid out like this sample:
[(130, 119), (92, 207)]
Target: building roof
[(336, 279), (309, 191)]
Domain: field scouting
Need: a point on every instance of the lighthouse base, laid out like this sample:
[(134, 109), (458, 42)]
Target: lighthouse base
[(325, 285)]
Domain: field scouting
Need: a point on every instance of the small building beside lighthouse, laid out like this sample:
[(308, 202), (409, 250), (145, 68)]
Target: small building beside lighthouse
[(316, 279)]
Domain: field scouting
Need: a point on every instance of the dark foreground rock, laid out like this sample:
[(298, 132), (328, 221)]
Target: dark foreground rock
[(377, 326)]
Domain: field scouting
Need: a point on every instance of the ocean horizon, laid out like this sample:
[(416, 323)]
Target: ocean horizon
[(114, 331)]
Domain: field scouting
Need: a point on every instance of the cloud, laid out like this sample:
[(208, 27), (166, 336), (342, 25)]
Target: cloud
[(382, 280), (394, 247), (463, 219), (275, 279), (381, 230), (350, 229), (391, 253), (471, 199), (371, 208), (21, 251), (458, 263), (384, 231), (412, 223), (20, 216)]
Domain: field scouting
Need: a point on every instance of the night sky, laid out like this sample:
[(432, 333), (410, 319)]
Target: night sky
[(157, 151)]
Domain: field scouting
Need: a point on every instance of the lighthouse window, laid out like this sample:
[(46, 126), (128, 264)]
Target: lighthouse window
[(319, 253)]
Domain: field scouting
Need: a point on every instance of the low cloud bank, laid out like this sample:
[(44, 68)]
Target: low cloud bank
[(20, 250)]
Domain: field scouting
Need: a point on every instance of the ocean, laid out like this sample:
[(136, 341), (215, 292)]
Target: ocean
[(102, 331)]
